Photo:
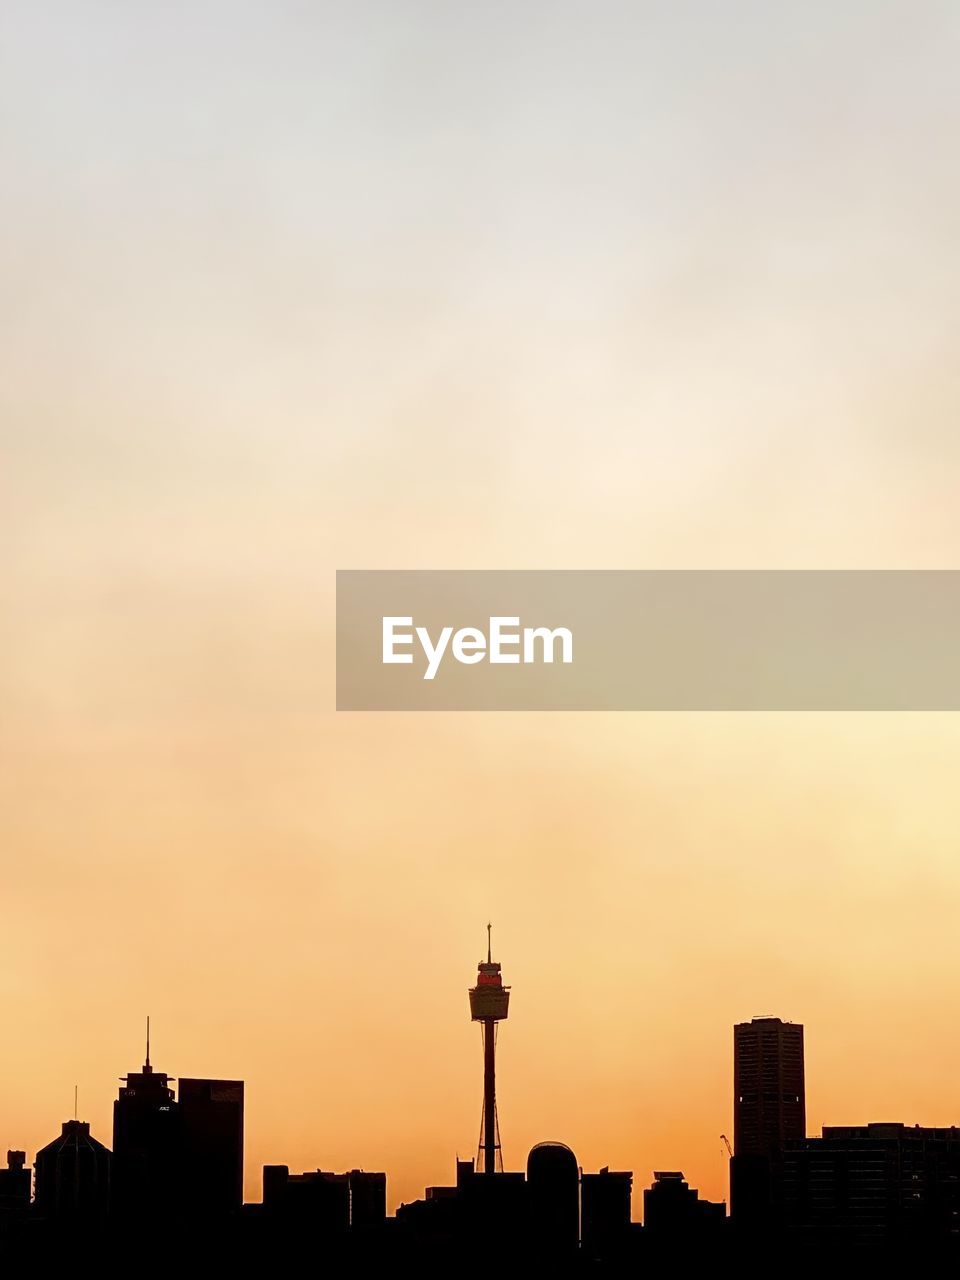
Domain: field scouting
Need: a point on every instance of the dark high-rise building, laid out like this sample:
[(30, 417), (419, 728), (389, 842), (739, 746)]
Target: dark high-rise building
[(146, 1145), (73, 1176), (15, 1182), (605, 1212), (769, 1110), (553, 1195), (769, 1106), (210, 1164)]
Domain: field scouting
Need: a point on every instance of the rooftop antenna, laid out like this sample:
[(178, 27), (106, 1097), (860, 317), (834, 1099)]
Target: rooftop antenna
[(76, 1103), (146, 1065)]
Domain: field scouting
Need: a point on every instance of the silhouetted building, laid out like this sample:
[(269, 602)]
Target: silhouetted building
[(492, 1209), (73, 1176), (769, 1110), (553, 1193), (368, 1199), (15, 1182), (873, 1185), (316, 1199), (672, 1208), (146, 1145), (210, 1157), (430, 1223), (605, 1213), (450, 1223), (327, 1203), (768, 1084)]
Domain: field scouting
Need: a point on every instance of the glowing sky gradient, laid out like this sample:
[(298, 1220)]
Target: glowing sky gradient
[(291, 287)]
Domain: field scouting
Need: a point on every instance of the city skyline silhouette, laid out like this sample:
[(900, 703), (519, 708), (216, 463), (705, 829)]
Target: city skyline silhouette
[(176, 1157), (723, 1121)]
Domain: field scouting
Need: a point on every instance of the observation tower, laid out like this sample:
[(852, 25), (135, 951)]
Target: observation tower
[(489, 1002)]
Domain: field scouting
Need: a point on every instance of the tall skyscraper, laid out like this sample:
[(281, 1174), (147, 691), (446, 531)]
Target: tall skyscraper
[(210, 1173), (769, 1110), (145, 1144), (769, 1101)]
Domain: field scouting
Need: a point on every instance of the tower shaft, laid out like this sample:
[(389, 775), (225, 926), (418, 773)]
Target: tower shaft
[(489, 1095)]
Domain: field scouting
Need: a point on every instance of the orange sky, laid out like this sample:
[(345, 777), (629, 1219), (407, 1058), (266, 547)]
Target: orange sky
[(300, 292)]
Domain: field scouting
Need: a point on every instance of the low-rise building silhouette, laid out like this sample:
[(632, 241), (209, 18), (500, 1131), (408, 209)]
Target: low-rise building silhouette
[(15, 1183), (553, 1183), (326, 1203), (368, 1200), (605, 1213), (873, 1185), (73, 1176), (673, 1209)]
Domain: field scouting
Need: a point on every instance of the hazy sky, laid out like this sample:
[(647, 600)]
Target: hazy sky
[(293, 287)]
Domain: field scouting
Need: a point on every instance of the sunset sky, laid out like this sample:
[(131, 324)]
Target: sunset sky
[(292, 287)]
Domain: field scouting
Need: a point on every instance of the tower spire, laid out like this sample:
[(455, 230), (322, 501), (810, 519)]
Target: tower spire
[(489, 943), (146, 1066)]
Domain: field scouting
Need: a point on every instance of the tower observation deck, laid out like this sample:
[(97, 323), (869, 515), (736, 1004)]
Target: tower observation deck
[(489, 1004)]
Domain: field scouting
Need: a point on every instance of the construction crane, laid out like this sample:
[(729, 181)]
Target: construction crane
[(726, 1142)]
